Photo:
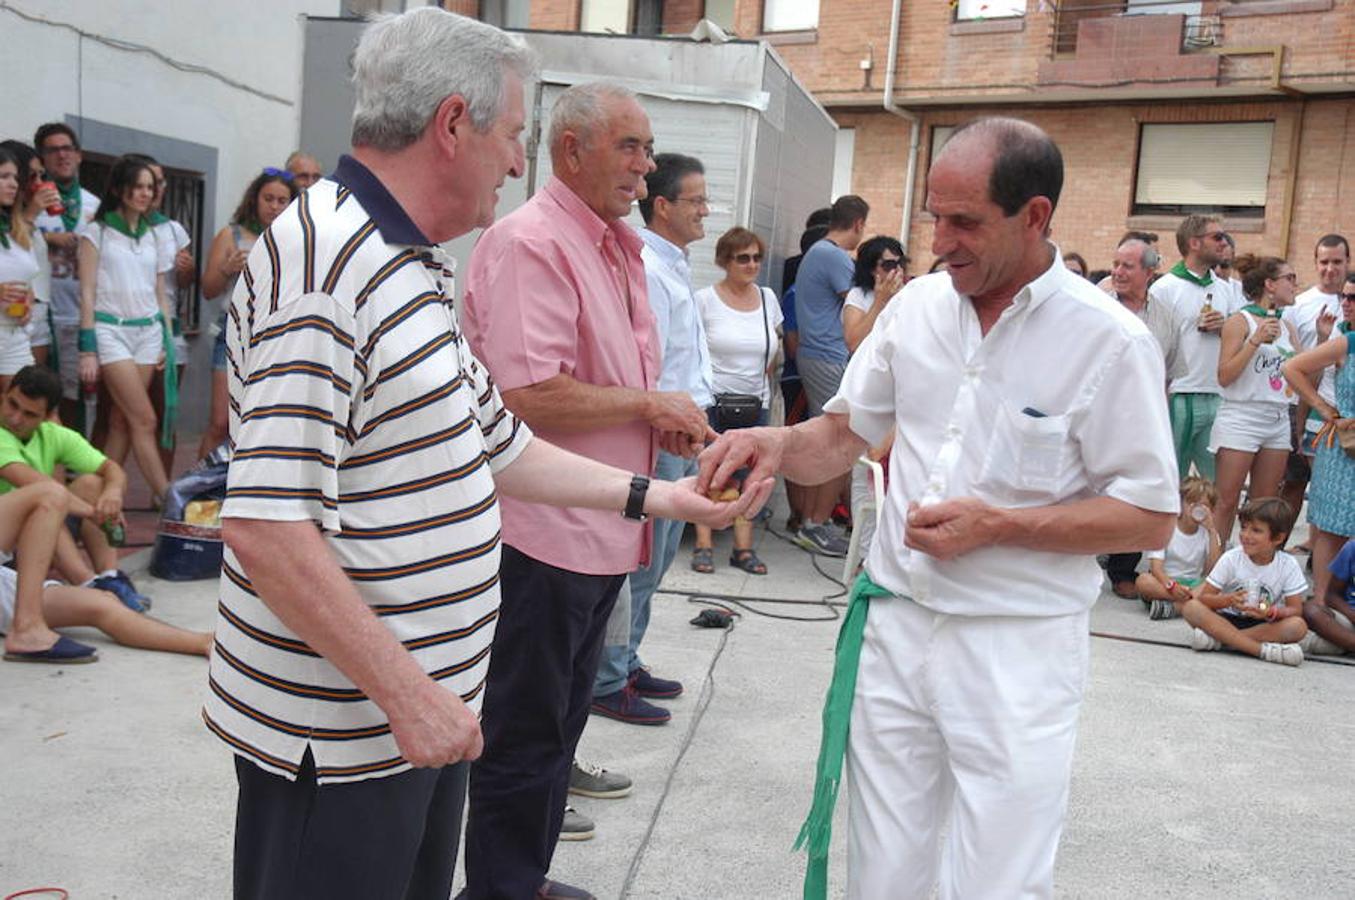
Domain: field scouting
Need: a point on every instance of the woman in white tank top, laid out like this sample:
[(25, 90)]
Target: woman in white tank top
[(1252, 434)]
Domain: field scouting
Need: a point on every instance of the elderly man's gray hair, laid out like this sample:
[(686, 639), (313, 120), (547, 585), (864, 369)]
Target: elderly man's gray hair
[(407, 64), (580, 109)]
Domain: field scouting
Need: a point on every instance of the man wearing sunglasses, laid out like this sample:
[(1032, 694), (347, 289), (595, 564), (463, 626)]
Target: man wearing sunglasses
[(1199, 303), (60, 150)]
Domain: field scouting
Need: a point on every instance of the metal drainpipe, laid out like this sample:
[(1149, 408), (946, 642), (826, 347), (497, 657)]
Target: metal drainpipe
[(910, 180)]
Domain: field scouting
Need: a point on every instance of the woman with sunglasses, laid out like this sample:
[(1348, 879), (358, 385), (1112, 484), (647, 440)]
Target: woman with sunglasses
[(1251, 434), (880, 273), (743, 335), (19, 269), (1331, 493), (124, 333), (266, 197), (36, 195)]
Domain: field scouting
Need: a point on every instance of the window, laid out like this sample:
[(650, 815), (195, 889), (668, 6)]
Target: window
[(940, 134), (605, 15), (790, 15), (844, 152), (505, 13), (1211, 167), (972, 10)]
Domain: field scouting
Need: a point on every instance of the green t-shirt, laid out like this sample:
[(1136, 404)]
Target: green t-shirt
[(51, 445)]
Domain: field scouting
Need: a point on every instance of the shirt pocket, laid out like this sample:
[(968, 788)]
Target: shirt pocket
[(1029, 457)]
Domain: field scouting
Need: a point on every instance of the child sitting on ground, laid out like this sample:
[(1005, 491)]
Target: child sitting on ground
[(1174, 573), (1331, 619), (1252, 600)]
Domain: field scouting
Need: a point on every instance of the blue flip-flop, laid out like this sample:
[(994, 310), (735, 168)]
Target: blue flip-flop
[(64, 652)]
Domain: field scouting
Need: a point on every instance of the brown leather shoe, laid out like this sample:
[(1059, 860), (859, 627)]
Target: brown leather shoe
[(558, 890)]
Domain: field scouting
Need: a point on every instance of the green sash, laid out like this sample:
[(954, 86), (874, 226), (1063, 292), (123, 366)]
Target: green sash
[(817, 832)]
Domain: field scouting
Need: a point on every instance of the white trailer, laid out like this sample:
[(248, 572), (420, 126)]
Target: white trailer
[(766, 143)]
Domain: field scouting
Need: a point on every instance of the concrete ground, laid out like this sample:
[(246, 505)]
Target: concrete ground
[(1197, 775)]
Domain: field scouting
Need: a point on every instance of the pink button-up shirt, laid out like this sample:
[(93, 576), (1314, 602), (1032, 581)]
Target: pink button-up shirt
[(551, 289)]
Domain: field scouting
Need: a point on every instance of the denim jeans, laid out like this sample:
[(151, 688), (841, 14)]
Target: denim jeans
[(619, 660)]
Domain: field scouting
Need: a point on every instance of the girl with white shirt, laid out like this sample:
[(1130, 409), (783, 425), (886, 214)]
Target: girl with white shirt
[(743, 335), (18, 271), (1252, 433), (124, 311)]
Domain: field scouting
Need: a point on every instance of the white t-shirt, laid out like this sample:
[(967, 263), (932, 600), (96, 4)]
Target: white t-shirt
[(1185, 555), (171, 237), (1261, 380), (742, 343), (1192, 355), (65, 283), (860, 298), (1279, 578), (127, 270), (1308, 306)]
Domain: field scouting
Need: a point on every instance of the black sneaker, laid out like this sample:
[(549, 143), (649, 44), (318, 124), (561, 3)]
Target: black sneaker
[(647, 684), (627, 706), (576, 826)]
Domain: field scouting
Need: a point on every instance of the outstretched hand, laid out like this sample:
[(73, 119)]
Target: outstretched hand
[(684, 500), (757, 449)]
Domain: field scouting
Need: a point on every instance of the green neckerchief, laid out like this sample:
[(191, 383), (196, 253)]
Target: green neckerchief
[(1181, 271), (1346, 327), (817, 832), (155, 217), (115, 221), (1261, 311), (4, 230), (70, 203), (252, 225)]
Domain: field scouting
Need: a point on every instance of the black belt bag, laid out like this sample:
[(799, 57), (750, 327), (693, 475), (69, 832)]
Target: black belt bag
[(737, 410)]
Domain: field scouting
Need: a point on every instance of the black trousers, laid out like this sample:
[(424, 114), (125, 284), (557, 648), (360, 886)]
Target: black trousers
[(545, 657), (391, 838), (1121, 566)]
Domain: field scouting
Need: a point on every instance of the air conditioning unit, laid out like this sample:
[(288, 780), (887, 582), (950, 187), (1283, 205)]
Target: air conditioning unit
[(1201, 32)]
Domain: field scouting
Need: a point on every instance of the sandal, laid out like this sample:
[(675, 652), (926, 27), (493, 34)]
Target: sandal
[(703, 560), (748, 561)]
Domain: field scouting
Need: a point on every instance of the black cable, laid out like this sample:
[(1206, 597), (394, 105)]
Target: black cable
[(702, 704), (1329, 660)]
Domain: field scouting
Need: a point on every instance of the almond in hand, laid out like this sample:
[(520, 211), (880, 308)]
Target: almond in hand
[(724, 496)]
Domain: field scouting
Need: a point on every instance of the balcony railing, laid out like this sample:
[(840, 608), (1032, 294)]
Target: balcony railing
[(1198, 31)]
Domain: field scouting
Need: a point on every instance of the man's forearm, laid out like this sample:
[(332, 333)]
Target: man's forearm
[(820, 449), (544, 473), (1098, 525), (563, 403), (307, 590)]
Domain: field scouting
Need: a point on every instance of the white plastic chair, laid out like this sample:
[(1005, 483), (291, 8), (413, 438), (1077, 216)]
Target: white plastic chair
[(874, 506)]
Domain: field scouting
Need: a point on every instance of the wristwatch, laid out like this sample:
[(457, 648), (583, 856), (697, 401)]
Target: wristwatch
[(635, 502)]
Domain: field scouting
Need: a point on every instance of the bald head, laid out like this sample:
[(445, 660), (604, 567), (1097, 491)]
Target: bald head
[(1024, 161), (305, 169)]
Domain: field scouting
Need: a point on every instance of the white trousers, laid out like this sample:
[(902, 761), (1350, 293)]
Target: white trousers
[(965, 720)]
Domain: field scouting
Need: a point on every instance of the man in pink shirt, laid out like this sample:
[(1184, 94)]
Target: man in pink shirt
[(556, 307)]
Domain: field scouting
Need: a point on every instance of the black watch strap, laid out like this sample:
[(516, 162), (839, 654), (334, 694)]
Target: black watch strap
[(635, 503)]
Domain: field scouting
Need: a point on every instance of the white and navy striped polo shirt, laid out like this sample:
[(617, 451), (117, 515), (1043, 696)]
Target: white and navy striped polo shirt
[(356, 403)]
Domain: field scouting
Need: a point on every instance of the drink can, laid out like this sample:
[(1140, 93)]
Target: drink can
[(116, 534), (56, 208)]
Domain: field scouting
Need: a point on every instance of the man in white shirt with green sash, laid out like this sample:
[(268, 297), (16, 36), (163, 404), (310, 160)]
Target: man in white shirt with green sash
[(963, 655)]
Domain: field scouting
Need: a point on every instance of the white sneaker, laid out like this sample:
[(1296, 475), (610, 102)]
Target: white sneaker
[(1200, 640), (1284, 654)]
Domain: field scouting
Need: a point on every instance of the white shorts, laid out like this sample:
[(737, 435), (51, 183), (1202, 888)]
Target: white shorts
[(15, 350), (39, 329), (1250, 427), (143, 344), (1314, 643), (9, 585)]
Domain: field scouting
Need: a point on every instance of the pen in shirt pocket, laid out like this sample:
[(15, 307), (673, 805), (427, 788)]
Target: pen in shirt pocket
[(1032, 412)]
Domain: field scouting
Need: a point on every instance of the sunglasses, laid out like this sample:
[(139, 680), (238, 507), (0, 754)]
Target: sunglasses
[(744, 259), (59, 148), (890, 265), (1350, 297), (272, 172), (1220, 236)]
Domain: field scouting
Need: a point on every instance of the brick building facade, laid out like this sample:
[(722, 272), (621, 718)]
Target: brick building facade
[(1277, 76)]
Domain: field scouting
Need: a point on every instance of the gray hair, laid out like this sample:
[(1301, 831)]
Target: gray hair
[(407, 64), (1148, 257), (580, 109)]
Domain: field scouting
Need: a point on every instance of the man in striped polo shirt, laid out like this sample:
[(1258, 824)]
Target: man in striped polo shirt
[(360, 591)]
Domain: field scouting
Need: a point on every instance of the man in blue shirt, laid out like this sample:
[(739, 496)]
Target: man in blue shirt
[(673, 211), (822, 282)]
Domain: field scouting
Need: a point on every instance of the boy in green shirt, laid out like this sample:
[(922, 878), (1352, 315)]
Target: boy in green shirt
[(31, 447)]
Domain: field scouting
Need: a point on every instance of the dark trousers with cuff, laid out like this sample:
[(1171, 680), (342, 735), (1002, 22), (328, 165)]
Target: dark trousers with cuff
[(390, 838), (541, 671), (1121, 567)]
